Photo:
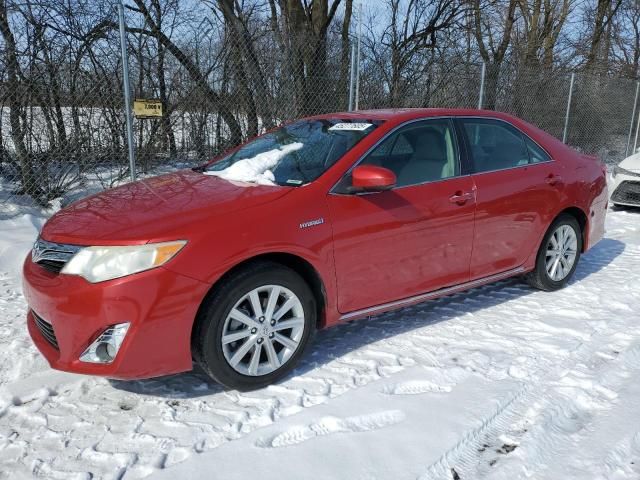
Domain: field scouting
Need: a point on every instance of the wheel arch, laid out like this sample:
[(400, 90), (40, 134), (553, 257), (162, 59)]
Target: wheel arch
[(296, 263), (583, 221)]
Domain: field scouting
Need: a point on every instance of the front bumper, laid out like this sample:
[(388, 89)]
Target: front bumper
[(626, 190), (159, 304)]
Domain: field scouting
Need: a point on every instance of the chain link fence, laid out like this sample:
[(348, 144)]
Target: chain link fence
[(53, 141), (63, 124)]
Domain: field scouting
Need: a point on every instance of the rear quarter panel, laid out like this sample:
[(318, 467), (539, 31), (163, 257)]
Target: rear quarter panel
[(591, 195), (584, 184)]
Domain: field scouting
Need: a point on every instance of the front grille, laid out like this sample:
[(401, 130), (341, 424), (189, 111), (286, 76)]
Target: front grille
[(52, 256), (627, 193), (46, 329)]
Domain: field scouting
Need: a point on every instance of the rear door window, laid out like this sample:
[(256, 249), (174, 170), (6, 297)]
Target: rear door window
[(495, 145)]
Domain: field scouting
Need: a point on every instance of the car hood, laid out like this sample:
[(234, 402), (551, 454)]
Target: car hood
[(156, 208), (631, 163)]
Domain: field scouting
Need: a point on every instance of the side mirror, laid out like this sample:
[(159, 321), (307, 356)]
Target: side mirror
[(369, 178)]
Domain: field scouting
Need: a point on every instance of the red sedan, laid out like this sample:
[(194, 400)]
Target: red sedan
[(235, 264)]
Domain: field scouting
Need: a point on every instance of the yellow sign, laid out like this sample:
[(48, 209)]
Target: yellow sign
[(147, 108)]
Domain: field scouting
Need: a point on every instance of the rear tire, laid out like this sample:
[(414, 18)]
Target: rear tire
[(558, 256), (239, 327)]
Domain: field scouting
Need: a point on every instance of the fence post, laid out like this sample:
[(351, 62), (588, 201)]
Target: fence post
[(358, 56), (352, 76), (635, 142), (633, 116), (127, 93), (481, 95), (566, 118)]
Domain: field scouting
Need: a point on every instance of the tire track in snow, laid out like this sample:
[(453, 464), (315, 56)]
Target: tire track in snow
[(561, 414), (463, 452), (467, 457), (569, 408), (623, 459)]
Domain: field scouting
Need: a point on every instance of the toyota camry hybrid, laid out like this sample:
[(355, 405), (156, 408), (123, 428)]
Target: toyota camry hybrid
[(235, 264)]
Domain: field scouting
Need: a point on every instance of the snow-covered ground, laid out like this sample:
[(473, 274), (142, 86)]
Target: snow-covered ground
[(501, 382)]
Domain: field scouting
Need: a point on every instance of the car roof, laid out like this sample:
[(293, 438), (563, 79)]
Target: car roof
[(397, 116), (404, 114)]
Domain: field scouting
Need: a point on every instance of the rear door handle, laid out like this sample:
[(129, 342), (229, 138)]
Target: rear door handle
[(553, 179), (461, 197)]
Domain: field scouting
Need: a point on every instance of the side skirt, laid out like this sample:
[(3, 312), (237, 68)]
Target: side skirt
[(366, 312)]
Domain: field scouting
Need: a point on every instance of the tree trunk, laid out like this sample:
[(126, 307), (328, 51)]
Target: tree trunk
[(605, 11), (345, 70), (262, 100), (492, 74), (246, 93), (28, 179), (167, 131), (307, 26), (168, 138)]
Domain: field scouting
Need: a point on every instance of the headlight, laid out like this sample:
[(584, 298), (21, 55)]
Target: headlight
[(617, 170), (97, 264)]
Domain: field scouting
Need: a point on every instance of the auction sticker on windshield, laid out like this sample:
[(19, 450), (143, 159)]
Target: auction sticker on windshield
[(351, 126)]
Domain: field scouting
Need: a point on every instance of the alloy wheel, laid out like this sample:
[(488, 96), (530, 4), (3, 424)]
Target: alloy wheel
[(263, 330), (561, 253)]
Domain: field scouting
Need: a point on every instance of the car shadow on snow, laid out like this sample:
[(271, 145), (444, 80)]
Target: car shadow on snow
[(333, 343)]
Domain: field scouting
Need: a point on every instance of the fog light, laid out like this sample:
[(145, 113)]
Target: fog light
[(105, 348)]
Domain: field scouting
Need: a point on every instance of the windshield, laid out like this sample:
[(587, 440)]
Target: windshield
[(294, 154)]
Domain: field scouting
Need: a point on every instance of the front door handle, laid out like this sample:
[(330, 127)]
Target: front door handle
[(460, 197)]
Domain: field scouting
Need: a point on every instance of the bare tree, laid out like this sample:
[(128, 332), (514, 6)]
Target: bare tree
[(168, 137), (243, 42), (627, 39), (603, 16), (493, 26), (543, 20), (408, 41), (191, 67), (302, 29), (231, 69), (345, 49), (30, 183)]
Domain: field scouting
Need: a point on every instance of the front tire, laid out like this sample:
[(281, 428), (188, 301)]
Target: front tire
[(558, 255), (254, 328)]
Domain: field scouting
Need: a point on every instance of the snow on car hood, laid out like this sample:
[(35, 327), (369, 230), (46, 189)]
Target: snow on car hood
[(256, 169), (631, 163)]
